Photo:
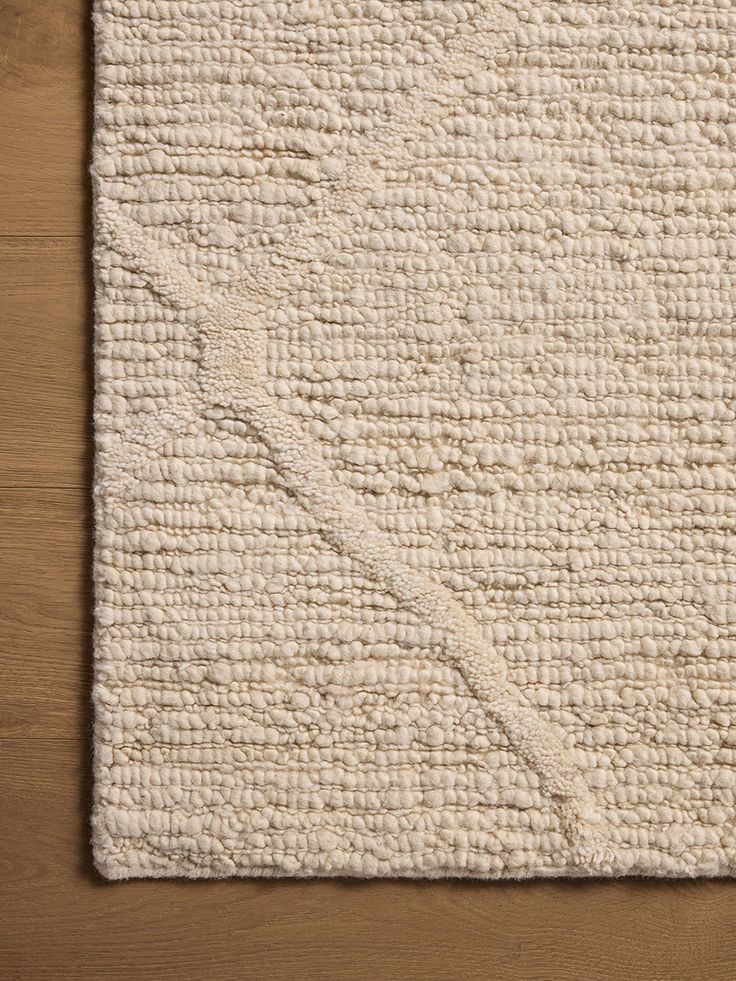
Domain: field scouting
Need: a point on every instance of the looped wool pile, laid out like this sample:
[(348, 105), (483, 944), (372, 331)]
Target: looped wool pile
[(416, 425)]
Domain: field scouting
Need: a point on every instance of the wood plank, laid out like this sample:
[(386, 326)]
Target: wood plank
[(45, 613), (45, 113), (47, 348)]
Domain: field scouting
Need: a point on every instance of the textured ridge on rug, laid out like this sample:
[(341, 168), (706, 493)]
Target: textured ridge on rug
[(415, 437)]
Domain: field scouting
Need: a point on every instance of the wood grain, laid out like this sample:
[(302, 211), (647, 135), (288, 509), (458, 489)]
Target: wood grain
[(58, 920)]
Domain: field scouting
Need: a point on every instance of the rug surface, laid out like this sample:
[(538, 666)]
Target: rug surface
[(415, 419)]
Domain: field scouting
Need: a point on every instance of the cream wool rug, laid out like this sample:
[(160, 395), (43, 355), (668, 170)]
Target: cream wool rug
[(415, 486)]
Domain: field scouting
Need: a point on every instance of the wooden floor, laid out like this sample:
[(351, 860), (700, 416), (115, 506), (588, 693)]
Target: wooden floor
[(58, 919)]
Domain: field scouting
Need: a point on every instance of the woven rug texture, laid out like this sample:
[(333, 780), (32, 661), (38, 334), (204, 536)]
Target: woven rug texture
[(415, 435)]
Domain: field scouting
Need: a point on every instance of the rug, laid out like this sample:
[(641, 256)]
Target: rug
[(415, 425)]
